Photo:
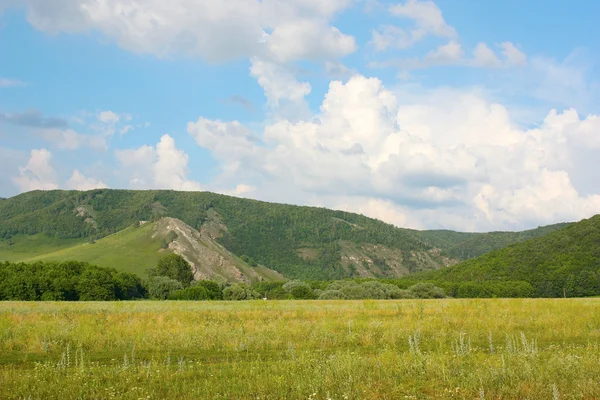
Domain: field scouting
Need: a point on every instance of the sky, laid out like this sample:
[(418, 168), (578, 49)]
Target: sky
[(455, 114)]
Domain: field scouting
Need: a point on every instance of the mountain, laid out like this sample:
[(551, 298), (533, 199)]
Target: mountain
[(565, 262), (461, 245), (261, 240)]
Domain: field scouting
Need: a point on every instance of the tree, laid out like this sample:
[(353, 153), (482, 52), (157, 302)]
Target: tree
[(239, 291), (190, 293), (212, 288), (96, 284), (302, 293), (161, 287), (175, 267), (427, 291)]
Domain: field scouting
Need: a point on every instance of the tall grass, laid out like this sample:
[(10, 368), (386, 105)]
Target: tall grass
[(426, 349)]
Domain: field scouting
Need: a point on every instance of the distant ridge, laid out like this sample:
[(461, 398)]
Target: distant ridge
[(295, 241)]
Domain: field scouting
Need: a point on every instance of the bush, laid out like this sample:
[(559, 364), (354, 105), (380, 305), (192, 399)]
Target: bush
[(332, 295), (239, 291), (161, 287), (302, 293), (212, 288), (427, 291), (190, 293)]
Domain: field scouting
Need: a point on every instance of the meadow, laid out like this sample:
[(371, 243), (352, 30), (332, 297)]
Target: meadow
[(391, 349)]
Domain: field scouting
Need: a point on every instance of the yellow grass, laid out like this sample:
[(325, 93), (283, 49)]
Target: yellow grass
[(421, 349)]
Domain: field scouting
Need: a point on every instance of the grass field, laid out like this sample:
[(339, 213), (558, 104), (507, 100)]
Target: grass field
[(427, 349)]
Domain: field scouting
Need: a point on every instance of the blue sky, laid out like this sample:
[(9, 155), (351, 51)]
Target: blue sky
[(447, 114)]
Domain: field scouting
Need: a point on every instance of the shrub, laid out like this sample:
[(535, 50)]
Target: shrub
[(239, 291), (190, 293), (332, 295), (161, 287), (212, 288), (302, 292), (427, 291)]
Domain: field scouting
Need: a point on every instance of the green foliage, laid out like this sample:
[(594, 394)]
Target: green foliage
[(66, 281), (249, 260), (213, 289), (332, 295), (462, 246), (239, 291), (268, 234), (353, 290), (175, 267), (171, 236), (161, 287), (190, 293), (565, 262), (427, 291)]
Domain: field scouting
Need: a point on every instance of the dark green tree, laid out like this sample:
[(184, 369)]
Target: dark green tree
[(175, 267)]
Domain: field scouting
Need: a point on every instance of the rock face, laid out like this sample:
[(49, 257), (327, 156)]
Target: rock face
[(210, 260), (372, 260)]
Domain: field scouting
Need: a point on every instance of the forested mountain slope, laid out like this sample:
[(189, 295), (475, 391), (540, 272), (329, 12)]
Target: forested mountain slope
[(565, 262), (298, 242), (462, 245)]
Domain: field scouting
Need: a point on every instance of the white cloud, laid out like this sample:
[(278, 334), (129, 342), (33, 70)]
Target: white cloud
[(309, 39), (69, 139), (338, 70), (449, 159), (427, 17), (393, 37), (6, 82), (448, 53), (513, 55), (108, 117), (483, 56), (278, 82), (78, 181), (163, 167), (38, 174), (214, 30), (126, 129)]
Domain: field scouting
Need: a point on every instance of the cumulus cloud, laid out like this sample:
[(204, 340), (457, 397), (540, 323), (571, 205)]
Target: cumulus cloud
[(217, 31), (38, 174), (78, 181), (452, 159), (164, 166), (278, 82)]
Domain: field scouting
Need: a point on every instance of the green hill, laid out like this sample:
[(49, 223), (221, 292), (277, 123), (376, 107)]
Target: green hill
[(298, 242), (461, 245), (565, 262)]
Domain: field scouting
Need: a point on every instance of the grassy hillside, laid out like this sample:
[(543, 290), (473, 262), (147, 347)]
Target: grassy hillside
[(564, 262), (22, 247), (131, 250), (298, 242)]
